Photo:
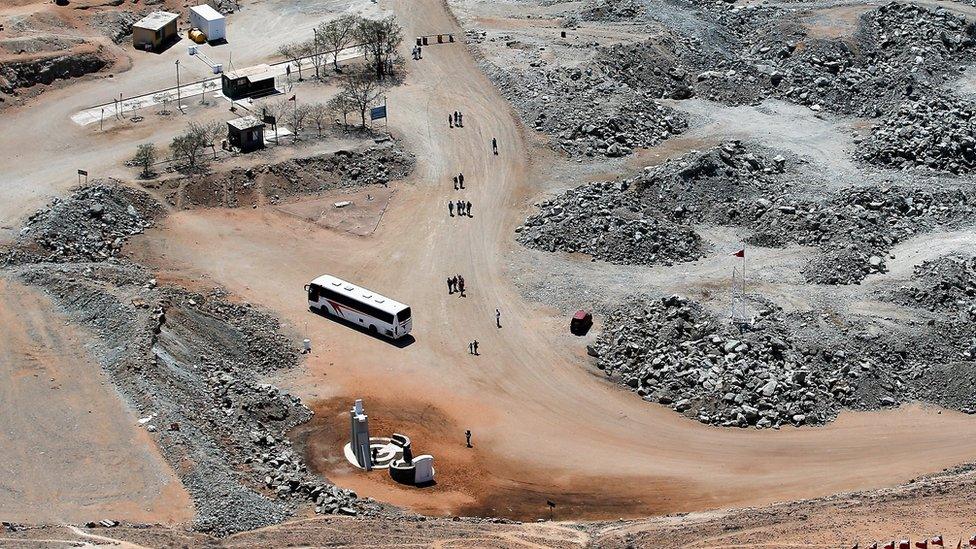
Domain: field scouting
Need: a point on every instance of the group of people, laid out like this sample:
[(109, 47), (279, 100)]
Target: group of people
[(455, 120), (417, 53), (458, 181), (463, 208), (455, 284), (473, 347)]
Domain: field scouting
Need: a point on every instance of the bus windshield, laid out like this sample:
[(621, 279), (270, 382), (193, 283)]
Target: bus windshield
[(403, 315)]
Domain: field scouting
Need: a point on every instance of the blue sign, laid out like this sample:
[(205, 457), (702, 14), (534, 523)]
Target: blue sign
[(377, 112)]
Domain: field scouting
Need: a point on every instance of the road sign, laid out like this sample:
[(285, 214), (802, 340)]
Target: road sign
[(83, 172), (377, 112)]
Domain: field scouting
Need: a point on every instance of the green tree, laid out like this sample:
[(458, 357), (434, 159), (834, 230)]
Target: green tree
[(145, 158)]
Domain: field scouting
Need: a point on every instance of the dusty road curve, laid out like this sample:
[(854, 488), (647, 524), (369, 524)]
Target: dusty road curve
[(543, 424)]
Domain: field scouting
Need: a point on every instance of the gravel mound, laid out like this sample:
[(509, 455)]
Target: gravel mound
[(90, 225), (947, 284), (586, 112), (934, 133), (297, 177), (650, 219), (799, 369)]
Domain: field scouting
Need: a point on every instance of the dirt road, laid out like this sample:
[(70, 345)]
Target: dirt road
[(544, 427)]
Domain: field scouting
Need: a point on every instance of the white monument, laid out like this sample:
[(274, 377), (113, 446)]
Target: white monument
[(423, 469), (359, 440)]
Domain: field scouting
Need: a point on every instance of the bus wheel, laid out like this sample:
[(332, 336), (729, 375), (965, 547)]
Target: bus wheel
[(372, 329)]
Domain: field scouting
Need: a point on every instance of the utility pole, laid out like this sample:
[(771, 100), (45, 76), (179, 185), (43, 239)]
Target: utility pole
[(179, 100)]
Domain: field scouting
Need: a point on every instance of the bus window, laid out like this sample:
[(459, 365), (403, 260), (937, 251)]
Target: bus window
[(403, 315), (313, 292)]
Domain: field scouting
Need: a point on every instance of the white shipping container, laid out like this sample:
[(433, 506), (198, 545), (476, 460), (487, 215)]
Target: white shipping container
[(210, 21)]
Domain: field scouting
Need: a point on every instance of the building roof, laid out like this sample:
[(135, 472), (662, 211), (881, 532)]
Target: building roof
[(245, 123), (207, 12), (254, 74), (156, 20)]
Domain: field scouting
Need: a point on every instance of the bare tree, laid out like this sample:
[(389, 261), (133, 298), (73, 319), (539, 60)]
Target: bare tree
[(318, 114), (163, 99), (341, 104), (337, 35), (380, 39), (211, 132), (298, 116), (313, 52), (361, 90), (293, 53)]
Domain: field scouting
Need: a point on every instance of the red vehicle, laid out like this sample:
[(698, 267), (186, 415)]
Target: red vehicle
[(581, 323)]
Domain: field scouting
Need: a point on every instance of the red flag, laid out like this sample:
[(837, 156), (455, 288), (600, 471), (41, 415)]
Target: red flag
[(937, 540), (905, 544), (972, 541), (922, 544), (740, 253)]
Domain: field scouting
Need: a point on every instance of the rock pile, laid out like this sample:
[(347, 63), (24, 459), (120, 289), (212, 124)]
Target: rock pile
[(947, 284), (798, 369), (296, 177), (588, 113), (613, 10), (935, 133), (650, 219), (90, 225)]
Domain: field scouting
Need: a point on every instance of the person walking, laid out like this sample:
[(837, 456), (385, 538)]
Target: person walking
[(450, 120), (450, 286), (470, 348), (474, 345), (457, 119), (467, 437), (494, 146), (460, 179), (467, 209), (454, 283), (498, 318), (420, 52), (461, 205), (460, 285), (460, 119), (450, 207), (455, 183)]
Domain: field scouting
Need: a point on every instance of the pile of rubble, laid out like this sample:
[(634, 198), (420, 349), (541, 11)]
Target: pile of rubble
[(947, 284), (296, 177), (650, 219), (613, 10), (785, 369), (90, 225), (755, 52), (587, 113), (190, 364), (937, 133)]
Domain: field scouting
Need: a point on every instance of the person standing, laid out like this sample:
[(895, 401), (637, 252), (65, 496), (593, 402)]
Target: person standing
[(498, 318), (450, 207), (460, 179), (467, 437), (460, 119), (456, 183), (450, 120), (420, 52), (460, 285), (460, 206), (450, 286), (494, 146), (457, 119), (474, 345), (470, 348), (467, 208)]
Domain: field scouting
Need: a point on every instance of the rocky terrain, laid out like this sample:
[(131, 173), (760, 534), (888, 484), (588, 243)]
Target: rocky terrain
[(189, 363), (797, 368), (272, 183), (650, 219)]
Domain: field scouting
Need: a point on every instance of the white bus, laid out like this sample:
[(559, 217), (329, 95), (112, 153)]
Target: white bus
[(378, 314)]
